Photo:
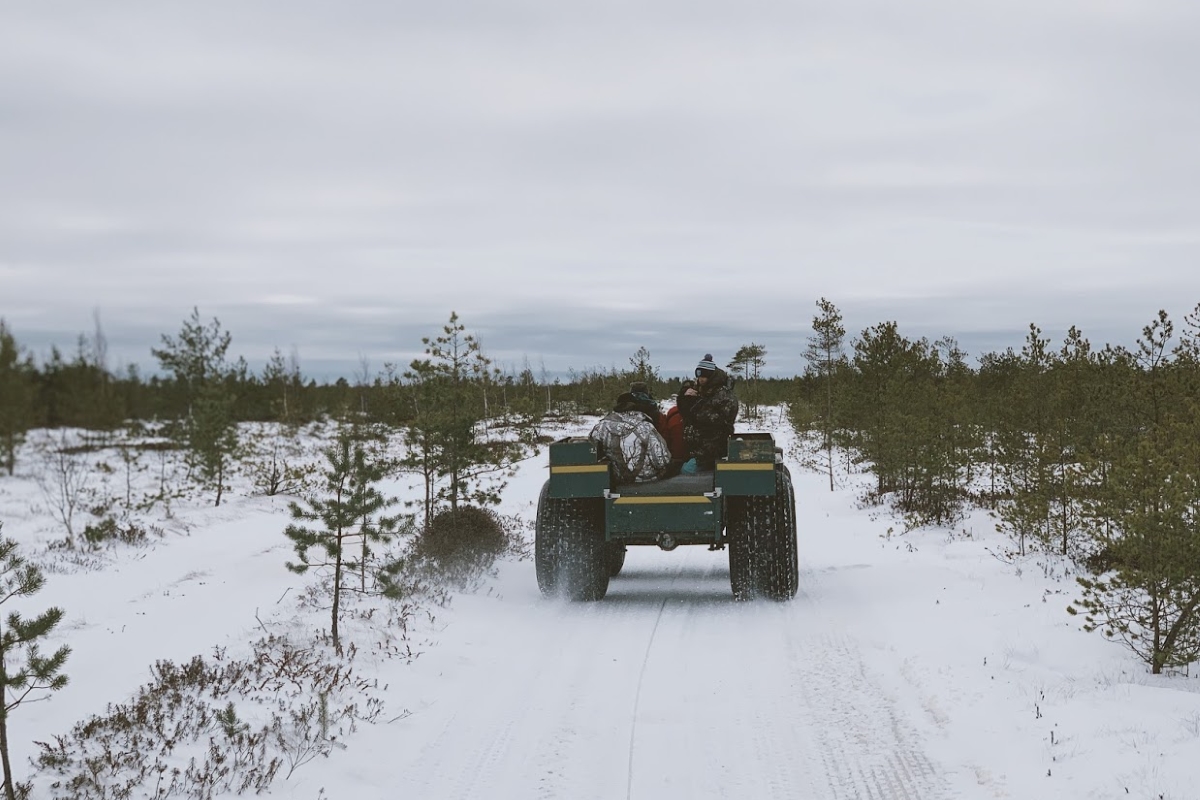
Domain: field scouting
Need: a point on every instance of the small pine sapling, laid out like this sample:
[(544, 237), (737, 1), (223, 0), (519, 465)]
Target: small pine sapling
[(196, 357), (449, 442), (24, 672), (351, 512)]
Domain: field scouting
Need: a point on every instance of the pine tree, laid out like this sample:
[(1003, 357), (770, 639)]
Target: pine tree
[(1077, 416), (998, 373), (24, 673), (1146, 517), (908, 423), (446, 438), (197, 359), (882, 403), (951, 448), (196, 356), (16, 387), (212, 435), (1023, 446), (643, 369), (824, 356), (747, 363), (350, 511), (1143, 506)]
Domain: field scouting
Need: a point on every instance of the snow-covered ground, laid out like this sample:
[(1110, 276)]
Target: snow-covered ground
[(908, 666)]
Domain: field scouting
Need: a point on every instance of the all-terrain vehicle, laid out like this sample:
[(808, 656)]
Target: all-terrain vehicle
[(585, 520)]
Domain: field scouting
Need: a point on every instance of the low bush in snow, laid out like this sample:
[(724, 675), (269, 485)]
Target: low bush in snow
[(108, 531), (460, 545), (216, 725)]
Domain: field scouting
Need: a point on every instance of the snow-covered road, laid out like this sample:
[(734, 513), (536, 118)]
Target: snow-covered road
[(669, 689)]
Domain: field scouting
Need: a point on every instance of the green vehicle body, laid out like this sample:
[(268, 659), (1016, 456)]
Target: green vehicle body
[(690, 508), (586, 519)]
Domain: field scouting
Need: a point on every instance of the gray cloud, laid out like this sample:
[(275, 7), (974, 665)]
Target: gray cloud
[(580, 182)]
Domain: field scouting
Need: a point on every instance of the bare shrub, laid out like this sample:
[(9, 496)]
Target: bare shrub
[(214, 726), (277, 462), (63, 482)]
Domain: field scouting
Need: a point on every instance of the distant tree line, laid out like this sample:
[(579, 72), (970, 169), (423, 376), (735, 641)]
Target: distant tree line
[(465, 422), (199, 378)]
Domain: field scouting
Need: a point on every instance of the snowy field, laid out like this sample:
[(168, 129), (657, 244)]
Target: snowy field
[(908, 666)]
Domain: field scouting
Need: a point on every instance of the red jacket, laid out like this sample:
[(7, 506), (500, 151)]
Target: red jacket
[(670, 425)]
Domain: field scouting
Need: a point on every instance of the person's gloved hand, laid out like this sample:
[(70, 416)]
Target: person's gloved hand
[(690, 467)]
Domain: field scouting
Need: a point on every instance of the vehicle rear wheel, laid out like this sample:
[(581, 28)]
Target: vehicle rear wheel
[(778, 567), (569, 551), (740, 561), (763, 557)]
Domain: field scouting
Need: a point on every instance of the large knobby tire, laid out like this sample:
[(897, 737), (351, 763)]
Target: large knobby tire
[(545, 545), (741, 579), (569, 551), (779, 567), (614, 558), (763, 556)]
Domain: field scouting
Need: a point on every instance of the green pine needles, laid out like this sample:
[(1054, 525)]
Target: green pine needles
[(196, 358), (1089, 456), (336, 528), (25, 674), (16, 398), (1148, 596), (454, 397)]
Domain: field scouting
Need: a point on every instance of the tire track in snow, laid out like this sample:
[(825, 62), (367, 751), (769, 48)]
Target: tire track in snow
[(716, 720), (536, 734), (637, 698), (869, 751), (721, 700), (791, 710)]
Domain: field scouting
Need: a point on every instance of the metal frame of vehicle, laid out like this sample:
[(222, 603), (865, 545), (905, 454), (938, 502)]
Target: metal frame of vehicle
[(685, 509)]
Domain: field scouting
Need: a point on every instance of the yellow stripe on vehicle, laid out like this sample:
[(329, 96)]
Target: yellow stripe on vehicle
[(580, 468), (755, 466), (661, 499)]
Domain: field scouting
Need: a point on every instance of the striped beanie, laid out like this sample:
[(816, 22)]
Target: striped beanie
[(706, 365)]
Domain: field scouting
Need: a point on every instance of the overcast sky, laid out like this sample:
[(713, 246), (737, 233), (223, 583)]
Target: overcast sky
[(577, 180)]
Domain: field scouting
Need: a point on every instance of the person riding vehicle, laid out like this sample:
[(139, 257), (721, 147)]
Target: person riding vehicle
[(709, 411)]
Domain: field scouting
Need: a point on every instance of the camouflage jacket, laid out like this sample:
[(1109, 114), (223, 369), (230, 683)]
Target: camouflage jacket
[(628, 441)]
